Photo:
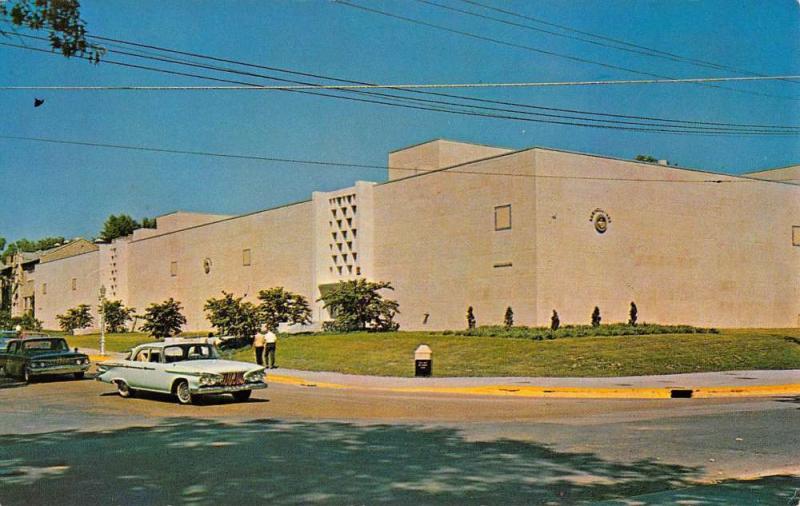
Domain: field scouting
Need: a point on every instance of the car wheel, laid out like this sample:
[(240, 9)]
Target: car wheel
[(79, 375), (183, 392), (124, 390), (27, 377), (242, 395)]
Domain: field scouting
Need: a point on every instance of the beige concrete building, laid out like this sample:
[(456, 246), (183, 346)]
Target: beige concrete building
[(461, 225)]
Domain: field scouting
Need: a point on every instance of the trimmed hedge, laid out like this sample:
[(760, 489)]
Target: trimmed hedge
[(613, 329)]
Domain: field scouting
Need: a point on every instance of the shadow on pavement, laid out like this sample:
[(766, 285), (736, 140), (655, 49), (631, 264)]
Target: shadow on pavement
[(203, 400), (273, 462)]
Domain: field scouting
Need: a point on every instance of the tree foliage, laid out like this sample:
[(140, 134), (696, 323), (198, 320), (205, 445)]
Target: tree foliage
[(281, 306), (79, 317), (148, 223), (116, 315), (26, 322), (232, 317), (508, 319), (646, 158), (62, 20), (357, 305), (118, 226), (164, 319), (596, 317), (26, 245)]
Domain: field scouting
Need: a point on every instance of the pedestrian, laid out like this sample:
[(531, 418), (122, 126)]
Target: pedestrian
[(271, 340), (258, 346)]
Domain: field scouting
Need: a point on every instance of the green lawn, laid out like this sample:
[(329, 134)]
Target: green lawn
[(391, 354)]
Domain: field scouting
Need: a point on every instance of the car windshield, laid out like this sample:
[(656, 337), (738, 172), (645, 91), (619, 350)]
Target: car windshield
[(32, 346), (181, 352)]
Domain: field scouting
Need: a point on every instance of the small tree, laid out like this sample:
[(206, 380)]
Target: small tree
[(281, 306), (75, 318), (164, 319), (470, 318), (116, 315), (634, 315), (508, 319), (232, 317), (554, 321), (27, 321), (596, 317), (118, 226), (357, 305)]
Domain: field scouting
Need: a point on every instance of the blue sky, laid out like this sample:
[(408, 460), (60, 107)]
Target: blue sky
[(70, 190)]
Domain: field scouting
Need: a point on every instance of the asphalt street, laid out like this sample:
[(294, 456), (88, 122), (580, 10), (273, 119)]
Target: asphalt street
[(77, 442)]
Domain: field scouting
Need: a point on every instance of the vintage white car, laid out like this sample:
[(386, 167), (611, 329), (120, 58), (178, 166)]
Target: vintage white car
[(184, 368)]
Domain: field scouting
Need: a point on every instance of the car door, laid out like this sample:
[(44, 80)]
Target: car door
[(154, 375), (135, 370)]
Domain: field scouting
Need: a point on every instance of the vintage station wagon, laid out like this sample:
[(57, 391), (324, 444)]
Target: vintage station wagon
[(184, 368)]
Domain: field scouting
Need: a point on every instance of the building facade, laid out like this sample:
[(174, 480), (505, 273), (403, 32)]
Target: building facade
[(460, 225)]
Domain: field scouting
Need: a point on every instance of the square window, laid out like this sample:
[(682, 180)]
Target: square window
[(502, 217), (246, 258), (173, 269)]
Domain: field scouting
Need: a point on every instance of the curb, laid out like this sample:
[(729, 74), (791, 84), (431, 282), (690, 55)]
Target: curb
[(567, 392)]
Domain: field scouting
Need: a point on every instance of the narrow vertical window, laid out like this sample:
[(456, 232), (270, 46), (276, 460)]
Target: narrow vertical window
[(502, 217), (246, 257), (173, 269), (74, 283), (44, 288)]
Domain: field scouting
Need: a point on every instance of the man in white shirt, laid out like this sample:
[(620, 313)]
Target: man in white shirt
[(258, 347), (269, 355)]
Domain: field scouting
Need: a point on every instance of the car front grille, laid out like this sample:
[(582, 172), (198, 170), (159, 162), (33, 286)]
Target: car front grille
[(60, 361), (231, 379)]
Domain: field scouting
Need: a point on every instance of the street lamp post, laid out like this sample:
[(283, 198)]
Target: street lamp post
[(102, 320)]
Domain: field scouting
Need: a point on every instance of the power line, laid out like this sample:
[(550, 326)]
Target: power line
[(539, 50), (447, 95), (403, 86), (260, 158), (636, 48), (662, 128)]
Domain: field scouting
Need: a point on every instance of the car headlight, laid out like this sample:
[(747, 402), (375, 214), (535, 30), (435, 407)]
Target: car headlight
[(210, 379), (78, 361), (37, 364), (254, 377)]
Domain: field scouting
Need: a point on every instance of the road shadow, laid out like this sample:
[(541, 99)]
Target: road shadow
[(203, 400), (189, 461)]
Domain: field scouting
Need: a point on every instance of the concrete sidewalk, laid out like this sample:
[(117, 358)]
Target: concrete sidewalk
[(714, 384), (710, 384)]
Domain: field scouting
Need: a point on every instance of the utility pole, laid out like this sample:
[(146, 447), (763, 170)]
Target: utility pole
[(102, 320)]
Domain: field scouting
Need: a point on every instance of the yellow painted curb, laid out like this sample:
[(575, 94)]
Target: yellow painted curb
[(99, 358), (564, 392)]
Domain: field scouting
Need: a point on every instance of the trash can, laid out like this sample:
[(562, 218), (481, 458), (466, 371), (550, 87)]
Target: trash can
[(423, 364)]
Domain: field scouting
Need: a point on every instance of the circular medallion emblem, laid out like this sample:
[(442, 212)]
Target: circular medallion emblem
[(601, 220), (207, 265)]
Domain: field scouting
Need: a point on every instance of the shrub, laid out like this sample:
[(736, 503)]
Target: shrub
[(596, 317), (614, 329), (281, 306), (232, 317), (470, 318), (508, 319), (634, 315), (79, 317), (357, 305), (116, 315), (164, 319), (554, 321)]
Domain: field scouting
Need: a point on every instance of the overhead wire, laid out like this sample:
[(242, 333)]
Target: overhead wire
[(534, 49), (637, 48), (446, 170), (712, 129), (662, 128), (116, 43)]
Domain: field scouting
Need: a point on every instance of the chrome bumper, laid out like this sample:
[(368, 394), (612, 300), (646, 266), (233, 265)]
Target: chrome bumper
[(219, 389), (59, 369)]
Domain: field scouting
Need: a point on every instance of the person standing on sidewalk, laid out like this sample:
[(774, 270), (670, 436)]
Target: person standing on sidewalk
[(258, 346), (271, 341)]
